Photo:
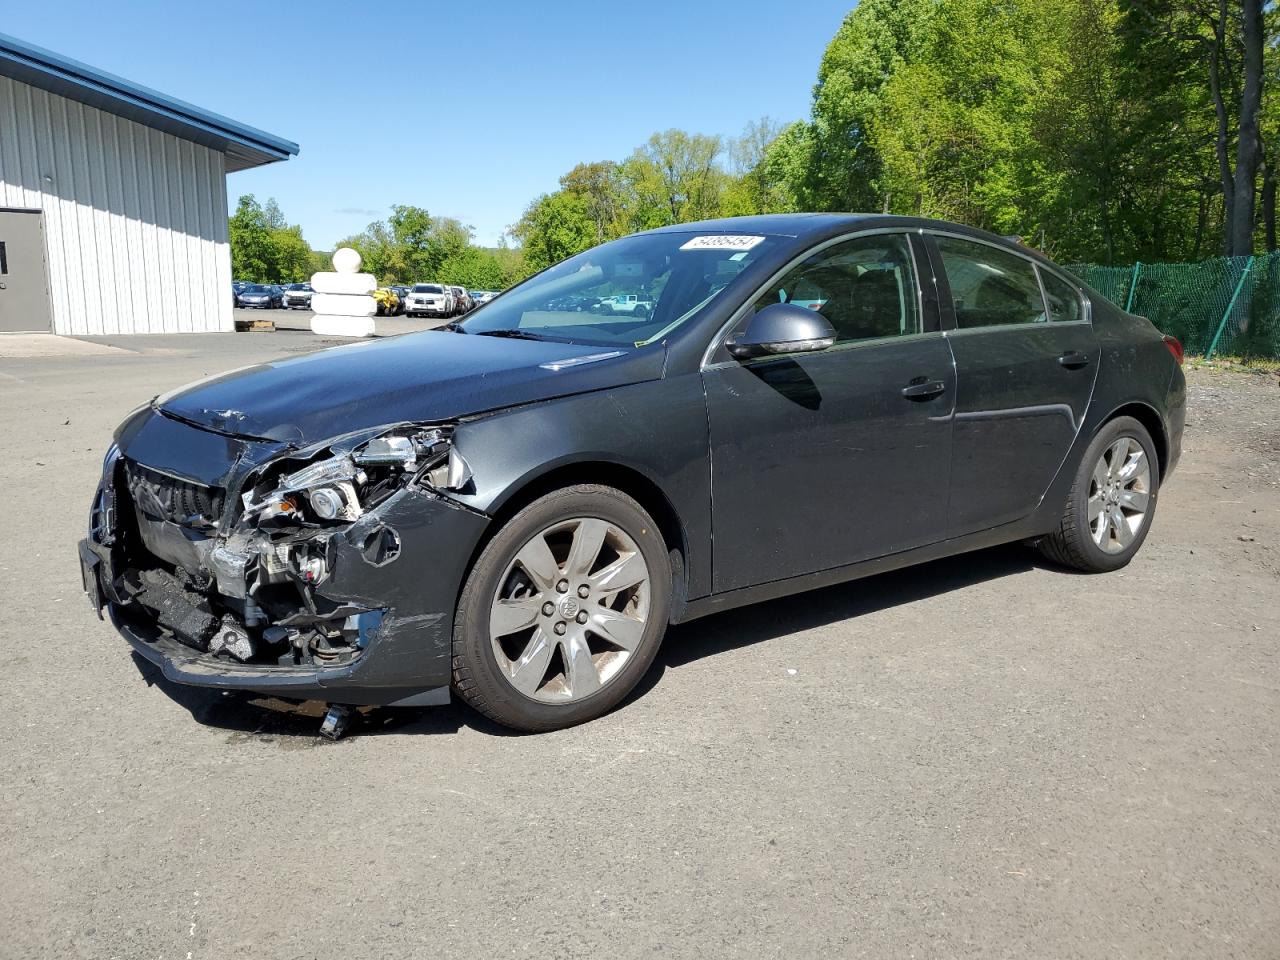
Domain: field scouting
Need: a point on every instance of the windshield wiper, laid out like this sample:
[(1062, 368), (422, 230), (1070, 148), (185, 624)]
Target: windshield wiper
[(510, 334), (453, 326)]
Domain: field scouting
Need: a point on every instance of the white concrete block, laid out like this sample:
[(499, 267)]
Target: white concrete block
[(327, 325), (344, 305), (348, 283)]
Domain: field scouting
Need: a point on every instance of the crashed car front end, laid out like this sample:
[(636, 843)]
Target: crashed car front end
[(328, 571)]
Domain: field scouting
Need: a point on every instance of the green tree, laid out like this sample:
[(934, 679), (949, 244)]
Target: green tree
[(252, 253), (674, 177), (265, 248), (555, 226)]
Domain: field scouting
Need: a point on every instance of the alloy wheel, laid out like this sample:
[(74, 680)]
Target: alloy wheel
[(570, 610), (1119, 495)]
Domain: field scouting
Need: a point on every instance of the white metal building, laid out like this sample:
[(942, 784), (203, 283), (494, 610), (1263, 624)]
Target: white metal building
[(113, 201)]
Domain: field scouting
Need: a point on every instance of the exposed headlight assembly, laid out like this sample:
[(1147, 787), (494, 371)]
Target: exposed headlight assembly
[(341, 487)]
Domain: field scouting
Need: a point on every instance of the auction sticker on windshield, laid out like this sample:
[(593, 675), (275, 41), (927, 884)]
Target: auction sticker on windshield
[(721, 242)]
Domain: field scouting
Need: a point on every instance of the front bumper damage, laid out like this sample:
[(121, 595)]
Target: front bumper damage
[(352, 611)]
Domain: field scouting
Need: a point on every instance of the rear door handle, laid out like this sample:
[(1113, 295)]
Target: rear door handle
[(923, 389), (1074, 359)]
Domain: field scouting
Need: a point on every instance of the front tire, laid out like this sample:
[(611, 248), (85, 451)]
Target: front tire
[(1111, 503), (564, 611)]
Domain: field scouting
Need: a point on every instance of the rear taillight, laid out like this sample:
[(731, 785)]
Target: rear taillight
[(1175, 348)]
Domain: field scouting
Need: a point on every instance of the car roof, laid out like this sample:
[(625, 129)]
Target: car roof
[(808, 225)]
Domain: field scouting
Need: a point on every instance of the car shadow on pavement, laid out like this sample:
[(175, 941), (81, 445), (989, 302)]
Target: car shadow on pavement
[(292, 724), (253, 716), (734, 629)]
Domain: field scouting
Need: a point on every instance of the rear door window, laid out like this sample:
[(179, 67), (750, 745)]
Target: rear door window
[(990, 287), (1062, 298)]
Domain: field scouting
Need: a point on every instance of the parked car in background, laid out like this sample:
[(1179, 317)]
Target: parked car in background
[(572, 303), (260, 296), (479, 297), (297, 295), (628, 303), (388, 302), (402, 293), (461, 300), (428, 300), (237, 286)]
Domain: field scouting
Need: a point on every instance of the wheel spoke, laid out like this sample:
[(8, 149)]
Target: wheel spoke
[(620, 630), (1135, 500), (1124, 535), (1136, 465), (539, 563), (1101, 528), (1100, 474), (1117, 456), (508, 616), (583, 677), (1095, 507), (622, 573), (527, 672), (588, 538)]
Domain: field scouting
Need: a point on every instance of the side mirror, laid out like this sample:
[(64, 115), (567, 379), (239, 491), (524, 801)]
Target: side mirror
[(782, 328)]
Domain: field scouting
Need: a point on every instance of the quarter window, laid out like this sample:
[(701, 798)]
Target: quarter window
[(990, 287), (865, 287), (1063, 300)]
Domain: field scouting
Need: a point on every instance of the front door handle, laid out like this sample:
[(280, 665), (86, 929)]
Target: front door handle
[(922, 388), (1074, 359)]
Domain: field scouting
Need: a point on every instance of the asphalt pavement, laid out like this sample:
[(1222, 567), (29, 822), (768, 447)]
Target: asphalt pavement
[(981, 757)]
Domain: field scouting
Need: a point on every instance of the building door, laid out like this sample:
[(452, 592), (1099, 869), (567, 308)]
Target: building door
[(24, 289)]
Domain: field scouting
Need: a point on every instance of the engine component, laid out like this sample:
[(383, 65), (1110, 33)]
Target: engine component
[(231, 638)]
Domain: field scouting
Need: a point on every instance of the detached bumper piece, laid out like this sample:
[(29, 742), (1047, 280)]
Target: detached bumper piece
[(356, 611)]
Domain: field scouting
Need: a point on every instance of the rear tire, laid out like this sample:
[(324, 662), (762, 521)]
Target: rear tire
[(575, 553), (1112, 501)]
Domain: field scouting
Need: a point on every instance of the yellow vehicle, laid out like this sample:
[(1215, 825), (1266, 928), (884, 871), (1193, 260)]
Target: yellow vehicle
[(388, 302)]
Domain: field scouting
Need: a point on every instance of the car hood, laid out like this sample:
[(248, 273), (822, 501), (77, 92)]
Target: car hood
[(425, 377)]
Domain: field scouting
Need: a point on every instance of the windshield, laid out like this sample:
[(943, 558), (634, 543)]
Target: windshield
[(629, 292), (426, 288), (256, 288)]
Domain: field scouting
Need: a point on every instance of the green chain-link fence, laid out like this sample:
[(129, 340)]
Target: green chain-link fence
[(1230, 305)]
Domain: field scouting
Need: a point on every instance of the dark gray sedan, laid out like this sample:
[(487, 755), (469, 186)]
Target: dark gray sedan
[(516, 507), (261, 296)]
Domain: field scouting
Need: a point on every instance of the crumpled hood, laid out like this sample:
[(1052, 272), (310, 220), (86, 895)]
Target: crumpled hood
[(429, 376)]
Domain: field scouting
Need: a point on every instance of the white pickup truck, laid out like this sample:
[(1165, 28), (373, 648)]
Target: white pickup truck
[(625, 303), (428, 300)]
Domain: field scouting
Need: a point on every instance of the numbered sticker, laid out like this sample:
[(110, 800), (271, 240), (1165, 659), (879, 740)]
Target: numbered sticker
[(721, 241)]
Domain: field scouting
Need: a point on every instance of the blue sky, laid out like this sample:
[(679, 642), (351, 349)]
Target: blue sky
[(470, 109)]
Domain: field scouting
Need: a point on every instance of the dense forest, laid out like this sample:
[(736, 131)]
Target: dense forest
[(1102, 131)]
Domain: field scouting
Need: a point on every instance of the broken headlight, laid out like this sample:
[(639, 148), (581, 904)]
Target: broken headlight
[(341, 487)]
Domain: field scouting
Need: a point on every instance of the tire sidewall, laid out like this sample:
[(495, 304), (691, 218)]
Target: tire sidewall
[(1109, 434), (471, 622)]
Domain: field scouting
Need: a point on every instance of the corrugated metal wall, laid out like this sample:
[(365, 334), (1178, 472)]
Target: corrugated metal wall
[(135, 220)]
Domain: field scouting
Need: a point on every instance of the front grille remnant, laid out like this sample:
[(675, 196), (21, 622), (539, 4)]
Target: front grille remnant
[(167, 498)]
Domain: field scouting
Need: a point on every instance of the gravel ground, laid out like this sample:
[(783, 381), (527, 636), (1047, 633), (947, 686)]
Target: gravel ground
[(980, 757)]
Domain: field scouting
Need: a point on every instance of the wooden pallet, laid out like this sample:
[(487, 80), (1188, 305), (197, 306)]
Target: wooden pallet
[(255, 326)]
